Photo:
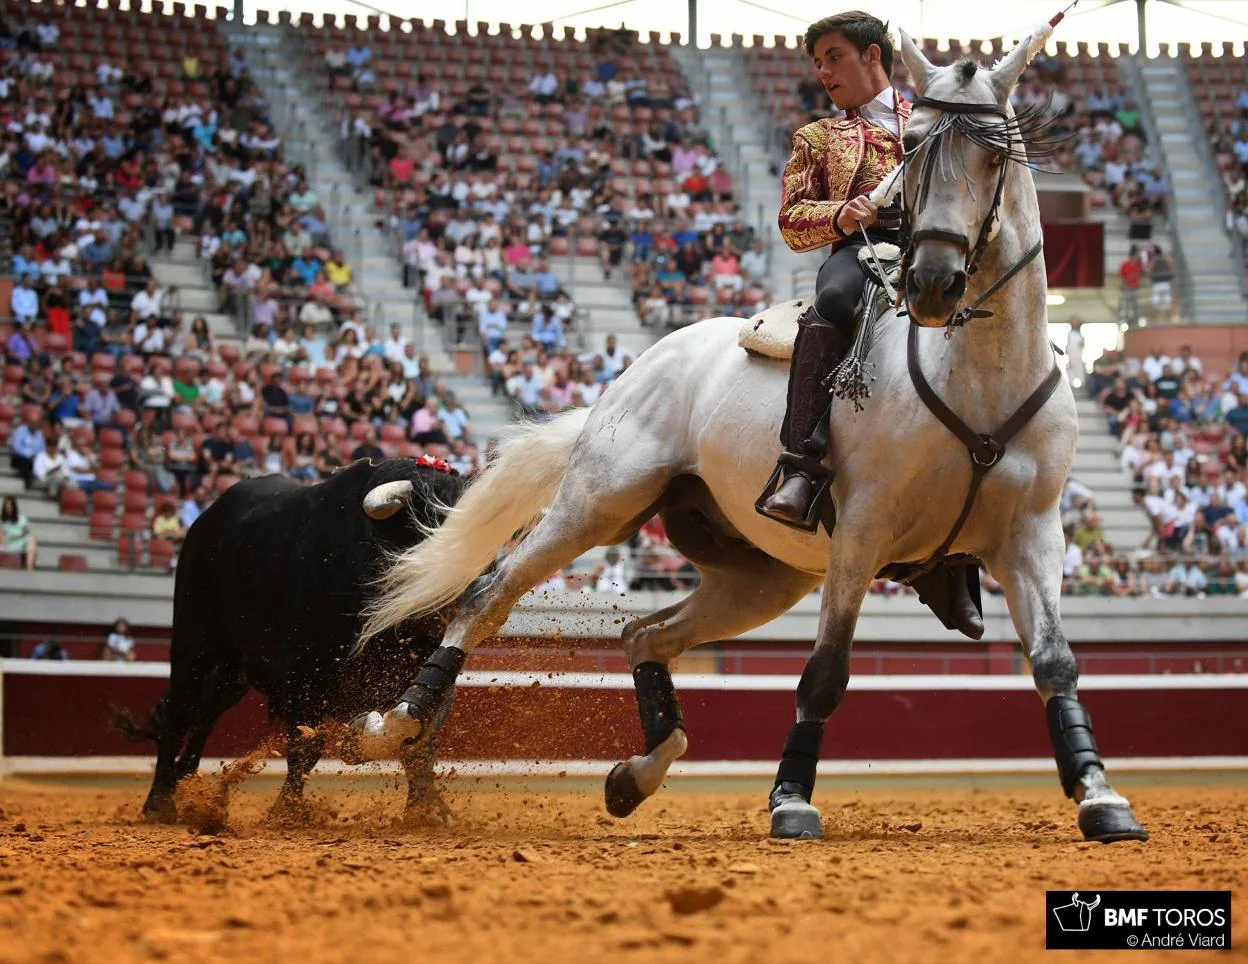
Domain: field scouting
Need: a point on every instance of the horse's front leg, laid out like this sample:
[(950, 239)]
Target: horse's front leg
[(1028, 566), (850, 569)]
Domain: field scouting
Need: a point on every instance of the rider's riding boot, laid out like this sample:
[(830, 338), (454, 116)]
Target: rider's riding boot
[(952, 593), (819, 348)]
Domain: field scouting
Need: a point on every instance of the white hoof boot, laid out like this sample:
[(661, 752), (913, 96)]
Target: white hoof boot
[(375, 737), (795, 819)]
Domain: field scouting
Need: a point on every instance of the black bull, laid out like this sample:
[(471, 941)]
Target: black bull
[(270, 586)]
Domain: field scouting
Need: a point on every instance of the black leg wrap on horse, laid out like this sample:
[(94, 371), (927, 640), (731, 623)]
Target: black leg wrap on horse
[(657, 703), (1074, 746), (435, 678), (796, 773)]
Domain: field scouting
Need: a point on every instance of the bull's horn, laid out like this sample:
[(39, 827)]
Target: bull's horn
[(385, 500)]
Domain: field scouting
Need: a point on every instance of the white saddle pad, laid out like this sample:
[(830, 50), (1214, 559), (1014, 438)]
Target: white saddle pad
[(772, 331)]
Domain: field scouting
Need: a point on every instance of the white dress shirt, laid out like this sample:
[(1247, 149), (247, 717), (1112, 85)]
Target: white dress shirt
[(882, 111)]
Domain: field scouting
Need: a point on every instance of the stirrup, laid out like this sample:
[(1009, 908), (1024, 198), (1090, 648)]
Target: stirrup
[(814, 512)]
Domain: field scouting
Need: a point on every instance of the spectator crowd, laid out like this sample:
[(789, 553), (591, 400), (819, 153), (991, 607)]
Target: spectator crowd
[(1181, 438)]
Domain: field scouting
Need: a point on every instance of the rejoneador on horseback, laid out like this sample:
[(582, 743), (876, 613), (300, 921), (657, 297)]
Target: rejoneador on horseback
[(957, 456)]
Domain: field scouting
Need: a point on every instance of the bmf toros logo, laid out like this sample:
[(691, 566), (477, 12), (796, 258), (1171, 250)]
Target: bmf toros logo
[(1122, 919)]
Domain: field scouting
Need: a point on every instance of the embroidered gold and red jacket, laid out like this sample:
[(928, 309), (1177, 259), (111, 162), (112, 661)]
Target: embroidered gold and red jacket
[(833, 161)]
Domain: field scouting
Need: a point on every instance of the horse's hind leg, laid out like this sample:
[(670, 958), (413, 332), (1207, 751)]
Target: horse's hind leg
[(595, 506), (726, 603), (1029, 568)]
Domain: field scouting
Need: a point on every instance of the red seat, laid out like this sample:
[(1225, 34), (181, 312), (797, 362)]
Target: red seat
[(100, 525), (111, 476), (184, 420), (160, 553), (274, 426), (111, 458), (11, 560), (73, 502), (163, 499), (111, 438), (56, 344), (125, 418), (135, 501), (305, 424), (135, 481), (229, 353), (359, 430), (103, 362), (246, 425), (390, 432), (334, 426), (129, 545), (103, 501), (410, 450), (133, 522), (69, 562), (132, 365)]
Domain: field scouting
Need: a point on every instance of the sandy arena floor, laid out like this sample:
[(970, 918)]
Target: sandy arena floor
[(539, 872)]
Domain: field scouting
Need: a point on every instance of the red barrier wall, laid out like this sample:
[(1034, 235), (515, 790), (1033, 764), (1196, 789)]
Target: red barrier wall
[(901, 718)]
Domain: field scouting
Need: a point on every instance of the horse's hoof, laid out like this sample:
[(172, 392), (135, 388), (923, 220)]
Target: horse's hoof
[(1109, 823), (375, 737), (428, 813), (796, 820), (165, 812), (623, 796)]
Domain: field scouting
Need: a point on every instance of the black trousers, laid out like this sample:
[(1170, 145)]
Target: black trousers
[(840, 281)]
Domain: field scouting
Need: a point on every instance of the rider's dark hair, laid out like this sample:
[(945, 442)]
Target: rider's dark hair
[(860, 29)]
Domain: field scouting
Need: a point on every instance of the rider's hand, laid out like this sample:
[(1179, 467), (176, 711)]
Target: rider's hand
[(857, 210)]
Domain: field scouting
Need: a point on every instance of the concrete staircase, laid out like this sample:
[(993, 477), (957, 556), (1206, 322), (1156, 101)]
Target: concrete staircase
[(1216, 294), (1097, 467), (195, 296), (311, 137), (731, 112)]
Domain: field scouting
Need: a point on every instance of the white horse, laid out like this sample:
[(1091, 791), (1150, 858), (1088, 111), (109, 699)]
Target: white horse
[(690, 431)]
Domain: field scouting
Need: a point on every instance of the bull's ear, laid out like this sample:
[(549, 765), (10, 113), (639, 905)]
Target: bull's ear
[(921, 69)]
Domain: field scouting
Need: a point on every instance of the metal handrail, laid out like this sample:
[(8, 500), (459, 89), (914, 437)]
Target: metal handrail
[(1185, 293), (1205, 152)]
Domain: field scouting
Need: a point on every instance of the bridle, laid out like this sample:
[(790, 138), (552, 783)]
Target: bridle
[(984, 449), (973, 252)]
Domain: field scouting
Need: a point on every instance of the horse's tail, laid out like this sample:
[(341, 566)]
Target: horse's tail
[(507, 498), (141, 731)]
